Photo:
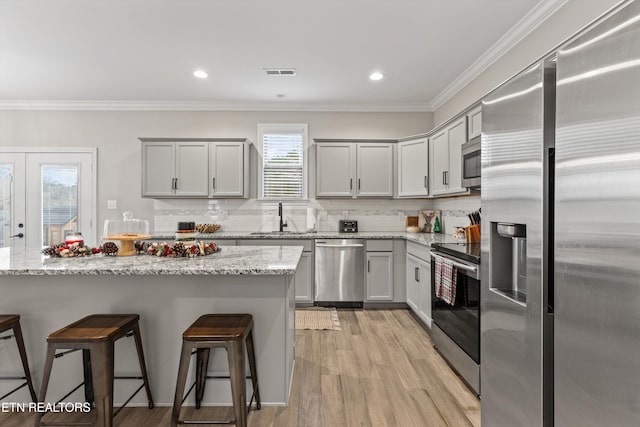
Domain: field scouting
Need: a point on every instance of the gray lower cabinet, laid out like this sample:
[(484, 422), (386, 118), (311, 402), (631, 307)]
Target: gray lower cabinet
[(418, 281), (305, 273), (379, 284)]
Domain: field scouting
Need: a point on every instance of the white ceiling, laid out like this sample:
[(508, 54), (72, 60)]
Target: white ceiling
[(141, 53)]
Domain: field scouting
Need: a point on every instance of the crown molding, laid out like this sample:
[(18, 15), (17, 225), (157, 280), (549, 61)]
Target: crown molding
[(209, 106), (519, 31)]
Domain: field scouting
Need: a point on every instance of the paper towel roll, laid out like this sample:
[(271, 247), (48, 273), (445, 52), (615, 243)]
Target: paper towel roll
[(311, 218)]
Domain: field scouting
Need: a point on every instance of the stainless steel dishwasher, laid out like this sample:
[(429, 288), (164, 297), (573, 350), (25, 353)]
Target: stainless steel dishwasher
[(340, 272)]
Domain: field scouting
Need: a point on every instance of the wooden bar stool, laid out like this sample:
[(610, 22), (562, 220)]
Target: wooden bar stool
[(96, 335), (12, 321), (229, 331)]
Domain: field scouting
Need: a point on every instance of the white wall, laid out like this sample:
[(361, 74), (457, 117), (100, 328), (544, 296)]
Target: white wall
[(569, 19), (116, 133)]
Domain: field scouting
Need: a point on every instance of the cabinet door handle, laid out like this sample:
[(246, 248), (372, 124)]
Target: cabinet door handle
[(173, 183), (416, 274), (368, 266), (444, 182), (350, 184), (213, 183), (176, 183), (426, 182), (358, 184)]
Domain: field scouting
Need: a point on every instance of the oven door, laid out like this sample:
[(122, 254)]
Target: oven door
[(461, 321), (471, 164)]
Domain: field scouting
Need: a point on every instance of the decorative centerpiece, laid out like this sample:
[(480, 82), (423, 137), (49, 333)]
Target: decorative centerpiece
[(63, 250), (177, 250)]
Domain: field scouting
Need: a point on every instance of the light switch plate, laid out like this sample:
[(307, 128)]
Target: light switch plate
[(112, 204)]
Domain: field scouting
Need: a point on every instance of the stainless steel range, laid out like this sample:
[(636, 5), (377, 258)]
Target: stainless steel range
[(455, 331)]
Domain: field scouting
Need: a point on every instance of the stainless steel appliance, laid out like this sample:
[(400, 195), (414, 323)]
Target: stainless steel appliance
[(471, 163), (347, 226), (560, 321), (339, 272), (455, 329)]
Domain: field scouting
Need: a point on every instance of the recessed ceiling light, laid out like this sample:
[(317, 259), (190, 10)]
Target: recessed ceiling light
[(376, 76), (201, 74)]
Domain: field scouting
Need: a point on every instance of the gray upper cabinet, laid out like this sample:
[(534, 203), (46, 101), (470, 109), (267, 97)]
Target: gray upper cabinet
[(191, 169), (375, 170), (197, 168), (335, 169), (446, 158), (474, 122), (227, 171), (158, 169), (413, 168), (349, 169)]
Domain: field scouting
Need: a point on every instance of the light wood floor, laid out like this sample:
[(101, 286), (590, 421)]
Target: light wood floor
[(380, 370)]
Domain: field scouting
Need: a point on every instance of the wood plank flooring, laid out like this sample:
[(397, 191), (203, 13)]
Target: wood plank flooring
[(380, 370)]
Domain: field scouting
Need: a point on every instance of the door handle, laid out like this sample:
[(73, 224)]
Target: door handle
[(176, 183), (426, 182), (368, 266), (350, 184), (358, 184), (213, 183), (19, 235), (416, 274), (446, 177), (444, 182), (356, 245)]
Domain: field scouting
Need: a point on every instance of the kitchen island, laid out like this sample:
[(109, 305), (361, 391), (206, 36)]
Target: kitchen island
[(169, 294)]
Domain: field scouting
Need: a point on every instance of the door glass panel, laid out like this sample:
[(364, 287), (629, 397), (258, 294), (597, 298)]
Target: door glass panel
[(59, 202), (5, 205)]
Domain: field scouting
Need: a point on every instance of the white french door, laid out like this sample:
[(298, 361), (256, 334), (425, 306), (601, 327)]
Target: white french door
[(44, 194)]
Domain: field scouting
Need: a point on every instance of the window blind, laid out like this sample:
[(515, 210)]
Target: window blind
[(282, 165)]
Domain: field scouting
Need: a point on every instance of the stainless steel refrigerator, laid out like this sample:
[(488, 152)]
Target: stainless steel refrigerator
[(560, 322)]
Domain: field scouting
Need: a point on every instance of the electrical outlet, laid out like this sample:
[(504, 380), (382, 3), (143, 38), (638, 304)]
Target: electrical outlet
[(112, 204)]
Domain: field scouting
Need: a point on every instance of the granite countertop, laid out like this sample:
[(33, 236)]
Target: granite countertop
[(240, 260), (425, 239)]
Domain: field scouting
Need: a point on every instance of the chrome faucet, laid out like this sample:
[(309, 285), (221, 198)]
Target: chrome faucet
[(283, 224)]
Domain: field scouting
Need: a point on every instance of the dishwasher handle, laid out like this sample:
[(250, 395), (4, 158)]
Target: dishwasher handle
[(353, 245)]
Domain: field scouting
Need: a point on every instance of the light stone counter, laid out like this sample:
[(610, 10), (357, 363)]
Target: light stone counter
[(169, 295), (246, 260), (425, 239)]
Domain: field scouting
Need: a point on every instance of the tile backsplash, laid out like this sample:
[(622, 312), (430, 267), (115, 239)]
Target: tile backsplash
[(256, 215)]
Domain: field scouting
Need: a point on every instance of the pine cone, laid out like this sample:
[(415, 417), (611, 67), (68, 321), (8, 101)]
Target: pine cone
[(109, 248), (52, 251), (179, 249)]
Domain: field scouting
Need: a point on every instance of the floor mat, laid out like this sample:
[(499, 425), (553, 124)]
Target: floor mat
[(318, 318)]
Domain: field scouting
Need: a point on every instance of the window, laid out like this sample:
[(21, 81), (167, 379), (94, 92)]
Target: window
[(283, 164)]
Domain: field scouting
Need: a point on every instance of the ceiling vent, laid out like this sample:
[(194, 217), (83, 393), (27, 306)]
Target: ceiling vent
[(280, 71)]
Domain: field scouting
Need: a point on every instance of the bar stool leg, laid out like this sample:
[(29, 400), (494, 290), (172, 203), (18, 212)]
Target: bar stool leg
[(46, 375), (17, 332), (143, 366), (235, 354), (202, 359), (88, 378), (254, 370), (102, 367), (183, 370)]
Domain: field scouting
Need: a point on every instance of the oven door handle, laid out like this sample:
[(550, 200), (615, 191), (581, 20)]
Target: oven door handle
[(457, 264)]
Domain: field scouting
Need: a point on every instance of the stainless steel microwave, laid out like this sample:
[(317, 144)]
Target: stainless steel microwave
[(471, 163)]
